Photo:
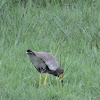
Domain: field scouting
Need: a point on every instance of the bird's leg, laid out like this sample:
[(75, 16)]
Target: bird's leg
[(45, 81), (40, 80)]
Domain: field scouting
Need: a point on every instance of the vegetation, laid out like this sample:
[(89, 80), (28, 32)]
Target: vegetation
[(69, 29)]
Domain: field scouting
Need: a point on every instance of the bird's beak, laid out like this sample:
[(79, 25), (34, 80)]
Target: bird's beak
[(61, 77)]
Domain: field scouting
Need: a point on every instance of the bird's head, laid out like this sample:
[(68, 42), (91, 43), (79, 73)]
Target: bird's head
[(59, 72)]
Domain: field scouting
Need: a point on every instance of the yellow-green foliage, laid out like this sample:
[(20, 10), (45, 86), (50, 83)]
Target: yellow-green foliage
[(70, 31)]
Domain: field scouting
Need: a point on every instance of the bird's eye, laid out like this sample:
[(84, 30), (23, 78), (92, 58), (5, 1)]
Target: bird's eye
[(61, 71)]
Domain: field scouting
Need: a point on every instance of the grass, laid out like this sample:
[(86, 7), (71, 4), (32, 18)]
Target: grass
[(70, 33)]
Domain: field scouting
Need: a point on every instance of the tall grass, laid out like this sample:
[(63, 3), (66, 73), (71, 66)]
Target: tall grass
[(70, 31)]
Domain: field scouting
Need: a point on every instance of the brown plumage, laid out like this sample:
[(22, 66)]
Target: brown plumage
[(45, 63)]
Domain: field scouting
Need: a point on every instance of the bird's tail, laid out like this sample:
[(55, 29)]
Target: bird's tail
[(30, 52)]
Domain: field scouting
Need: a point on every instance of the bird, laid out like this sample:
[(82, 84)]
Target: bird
[(45, 63)]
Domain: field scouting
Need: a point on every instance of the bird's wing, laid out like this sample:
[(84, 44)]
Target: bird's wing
[(48, 59), (36, 61)]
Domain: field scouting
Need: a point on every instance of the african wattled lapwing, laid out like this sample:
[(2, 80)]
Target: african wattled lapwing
[(45, 63)]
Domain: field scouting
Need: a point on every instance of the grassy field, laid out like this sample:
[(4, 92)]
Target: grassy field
[(71, 32)]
